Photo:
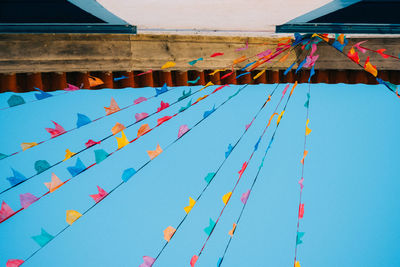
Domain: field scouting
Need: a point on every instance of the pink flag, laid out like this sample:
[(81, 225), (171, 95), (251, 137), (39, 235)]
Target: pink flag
[(248, 125), (5, 211), (149, 71), (193, 260), (14, 263), (360, 48), (163, 105), (245, 196), (71, 87), (301, 183), (313, 49), (265, 53), (284, 90), (91, 143), (27, 199), (98, 197), (182, 130), (58, 130), (141, 116), (139, 100), (147, 261), (242, 170), (310, 61), (243, 48)]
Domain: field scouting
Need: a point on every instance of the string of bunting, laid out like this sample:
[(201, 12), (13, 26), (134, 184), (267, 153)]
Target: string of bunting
[(209, 229), (16, 100), (101, 154), (299, 235), (84, 120), (18, 178), (169, 232), (71, 216), (245, 196), (368, 67)]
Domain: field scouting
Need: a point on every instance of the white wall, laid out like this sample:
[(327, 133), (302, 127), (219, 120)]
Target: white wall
[(222, 15)]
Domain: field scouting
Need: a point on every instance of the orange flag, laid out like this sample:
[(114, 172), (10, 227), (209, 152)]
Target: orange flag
[(143, 129), (283, 59), (112, 108), (240, 59), (168, 233), (117, 128), (304, 156), (294, 86), (54, 184), (25, 146), (154, 153), (231, 232)]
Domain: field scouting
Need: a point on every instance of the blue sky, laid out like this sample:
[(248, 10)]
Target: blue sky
[(351, 180)]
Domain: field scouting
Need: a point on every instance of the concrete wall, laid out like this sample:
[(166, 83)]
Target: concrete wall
[(21, 53)]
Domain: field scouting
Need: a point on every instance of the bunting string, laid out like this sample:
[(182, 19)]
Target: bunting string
[(95, 143), (89, 122), (213, 224), (211, 176), (69, 89), (126, 142), (281, 48), (307, 131), (138, 170), (248, 193), (368, 67)]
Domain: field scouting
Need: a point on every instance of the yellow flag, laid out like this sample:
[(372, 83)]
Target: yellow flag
[(270, 119), (231, 232), (117, 128), (201, 98), (169, 64), (308, 130), (226, 197), (215, 71), (207, 85), (68, 154), (25, 146), (297, 264), (191, 205), (72, 216), (279, 117), (259, 74), (371, 69), (122, 141)]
